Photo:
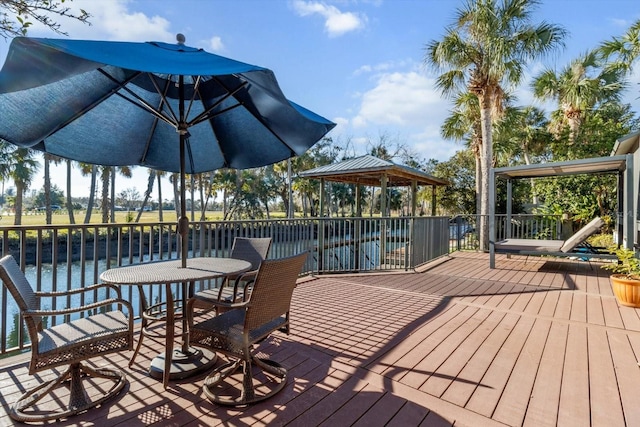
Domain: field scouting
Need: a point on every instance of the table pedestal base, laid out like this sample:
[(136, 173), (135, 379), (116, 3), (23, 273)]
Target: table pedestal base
[(183, 365)]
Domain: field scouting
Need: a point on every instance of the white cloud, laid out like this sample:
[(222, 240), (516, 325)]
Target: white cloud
[(400, 99), (215, 44), (404, 104), (111, 20), (336, 22), (383, 67)]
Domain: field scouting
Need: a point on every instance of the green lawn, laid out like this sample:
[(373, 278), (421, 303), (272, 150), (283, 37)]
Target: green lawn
[(62, 218)]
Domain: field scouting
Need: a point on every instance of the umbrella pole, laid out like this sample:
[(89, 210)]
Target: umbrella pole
[(183, 222)]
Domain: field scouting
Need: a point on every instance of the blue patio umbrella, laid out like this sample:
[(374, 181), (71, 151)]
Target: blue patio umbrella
[(165, 106)]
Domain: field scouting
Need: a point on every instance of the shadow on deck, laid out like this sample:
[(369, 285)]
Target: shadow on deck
[(532, 342)]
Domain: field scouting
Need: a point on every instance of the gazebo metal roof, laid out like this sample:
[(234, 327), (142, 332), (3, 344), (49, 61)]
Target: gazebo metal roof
[(369, 170)]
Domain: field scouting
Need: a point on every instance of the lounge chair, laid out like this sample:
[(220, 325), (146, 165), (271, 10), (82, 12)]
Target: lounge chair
[(576, 245), (101, 331)]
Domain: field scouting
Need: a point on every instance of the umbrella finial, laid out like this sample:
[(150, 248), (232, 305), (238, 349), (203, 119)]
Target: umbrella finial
[(180, 37)]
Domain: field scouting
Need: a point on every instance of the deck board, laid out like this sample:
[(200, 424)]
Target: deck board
[(534, 342)]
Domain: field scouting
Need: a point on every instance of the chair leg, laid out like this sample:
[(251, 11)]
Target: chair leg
[(276, 380), (143, 325), (26, 408)]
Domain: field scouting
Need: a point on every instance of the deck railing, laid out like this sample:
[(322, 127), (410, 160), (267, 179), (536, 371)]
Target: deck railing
[(62, 257)]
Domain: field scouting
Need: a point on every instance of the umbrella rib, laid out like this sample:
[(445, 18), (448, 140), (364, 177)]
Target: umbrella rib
[(141, 102), (193, 97), (163, 95), (205, 114), (155, 124)]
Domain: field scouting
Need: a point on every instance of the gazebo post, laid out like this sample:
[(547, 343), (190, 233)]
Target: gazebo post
[(414, 205), (383, 223), (433, 200), (321, 224), (414, 201), (383, 195), (357, 228)]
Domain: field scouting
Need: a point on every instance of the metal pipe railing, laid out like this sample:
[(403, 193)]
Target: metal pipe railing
[(62, 257)]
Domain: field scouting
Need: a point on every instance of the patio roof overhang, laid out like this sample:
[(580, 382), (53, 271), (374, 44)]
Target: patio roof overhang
[(627, 144), (612, 164)]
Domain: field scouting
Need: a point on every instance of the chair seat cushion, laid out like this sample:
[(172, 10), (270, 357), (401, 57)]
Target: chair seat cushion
[(225, 332), (211, 295), (86, 336)]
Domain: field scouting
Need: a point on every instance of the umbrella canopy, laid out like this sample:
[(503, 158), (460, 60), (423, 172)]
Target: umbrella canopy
[(122, 103)]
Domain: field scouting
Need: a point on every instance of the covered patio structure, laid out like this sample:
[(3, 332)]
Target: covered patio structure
[(372, 171), (621, 165)]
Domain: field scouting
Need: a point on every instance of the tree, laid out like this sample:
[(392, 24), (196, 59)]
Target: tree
[(48, 159), (522, 137), (147, 193), (69, 203), (22, 168), (86, 169), (56, 197), (578, 88), (16, 16), (464, 125), (459, 196), (584, 196), (622, 52), (485, 52), (129, 198)]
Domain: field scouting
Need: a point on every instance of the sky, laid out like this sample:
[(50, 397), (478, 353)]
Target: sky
[(358, 63)]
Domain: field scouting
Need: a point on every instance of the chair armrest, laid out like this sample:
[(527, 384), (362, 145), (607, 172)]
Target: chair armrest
[(80, 308), (89, 288), (247, 288), (218, 303)]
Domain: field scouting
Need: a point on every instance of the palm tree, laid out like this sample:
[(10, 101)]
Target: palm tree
[(72, 219), (86, 169), (147, 193), (159, 175), (622, 52), (22, 168), (484, 52), (522, 136), (48, 159), (108, 183), (464, 125), (127, 172), (577, 89), (224, 180)]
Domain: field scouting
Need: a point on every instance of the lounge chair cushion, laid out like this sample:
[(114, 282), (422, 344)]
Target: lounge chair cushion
[(526, 245), (581, 235)]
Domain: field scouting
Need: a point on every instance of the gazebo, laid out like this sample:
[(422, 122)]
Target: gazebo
[(373, 171)]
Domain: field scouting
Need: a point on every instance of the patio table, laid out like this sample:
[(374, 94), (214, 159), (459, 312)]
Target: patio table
[(186, 361)]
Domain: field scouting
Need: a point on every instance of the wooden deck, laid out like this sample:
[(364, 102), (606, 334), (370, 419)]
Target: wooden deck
[(534, 342)]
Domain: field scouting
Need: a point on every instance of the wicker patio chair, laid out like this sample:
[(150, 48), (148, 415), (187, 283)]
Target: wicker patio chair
[(98, 333), (233, 289), (234, 333), (253, 250)]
